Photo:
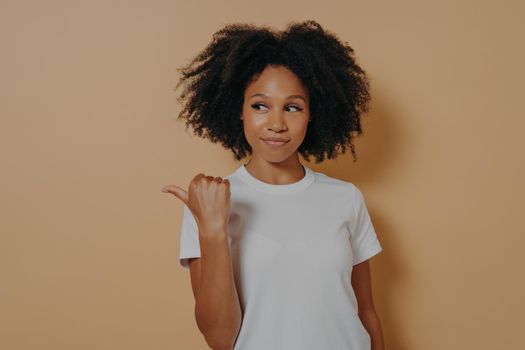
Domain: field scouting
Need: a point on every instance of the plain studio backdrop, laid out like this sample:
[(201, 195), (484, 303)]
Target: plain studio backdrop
[(89, 135)]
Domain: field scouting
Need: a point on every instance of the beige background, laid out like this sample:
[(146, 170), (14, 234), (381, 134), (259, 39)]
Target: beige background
[(89, 244)]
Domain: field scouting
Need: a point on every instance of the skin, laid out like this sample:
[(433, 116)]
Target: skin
[(277, 114)]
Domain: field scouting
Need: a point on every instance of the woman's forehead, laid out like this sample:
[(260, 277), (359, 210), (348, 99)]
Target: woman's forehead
[(276, 82)]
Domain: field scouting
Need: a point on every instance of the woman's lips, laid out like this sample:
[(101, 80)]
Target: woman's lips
[(274, 143)]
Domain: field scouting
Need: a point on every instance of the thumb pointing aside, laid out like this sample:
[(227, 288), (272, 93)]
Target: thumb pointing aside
[(177, 191)]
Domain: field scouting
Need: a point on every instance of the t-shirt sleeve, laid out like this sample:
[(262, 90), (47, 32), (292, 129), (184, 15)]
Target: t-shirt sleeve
[(189, 238), (363, 237)]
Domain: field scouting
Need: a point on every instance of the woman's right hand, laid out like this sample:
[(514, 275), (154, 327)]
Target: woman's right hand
[(208, 198)]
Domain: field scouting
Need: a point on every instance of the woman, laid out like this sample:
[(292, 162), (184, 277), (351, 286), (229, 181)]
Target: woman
[(278, 253)]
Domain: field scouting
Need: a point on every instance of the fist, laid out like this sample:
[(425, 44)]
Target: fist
[(208, 198)]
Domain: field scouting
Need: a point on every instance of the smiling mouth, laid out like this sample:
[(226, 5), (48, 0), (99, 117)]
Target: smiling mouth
[(274, 143)]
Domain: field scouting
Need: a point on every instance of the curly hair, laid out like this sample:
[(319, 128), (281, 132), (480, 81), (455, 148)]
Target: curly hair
[(216, 78)]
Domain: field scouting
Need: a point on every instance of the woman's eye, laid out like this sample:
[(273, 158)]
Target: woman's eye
[(257, 104), (298, 109)]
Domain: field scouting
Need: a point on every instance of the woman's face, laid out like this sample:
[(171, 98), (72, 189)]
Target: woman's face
[(276, 105)]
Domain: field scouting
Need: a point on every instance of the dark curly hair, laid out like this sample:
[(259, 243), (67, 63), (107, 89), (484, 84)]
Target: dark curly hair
[(216, 78)]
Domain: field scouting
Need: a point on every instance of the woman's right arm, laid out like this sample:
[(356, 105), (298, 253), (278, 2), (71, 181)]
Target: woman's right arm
[(217, 308)]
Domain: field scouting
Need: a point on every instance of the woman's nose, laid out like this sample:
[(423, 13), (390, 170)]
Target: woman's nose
[(276, 121)]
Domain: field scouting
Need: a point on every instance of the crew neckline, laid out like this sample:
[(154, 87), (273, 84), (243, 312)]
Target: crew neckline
[(251, 180)]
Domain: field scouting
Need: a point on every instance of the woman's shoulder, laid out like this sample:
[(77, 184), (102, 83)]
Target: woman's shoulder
[(327, 180)]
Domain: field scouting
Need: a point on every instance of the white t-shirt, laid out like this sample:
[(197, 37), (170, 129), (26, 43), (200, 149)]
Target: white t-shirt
[(293, 248)]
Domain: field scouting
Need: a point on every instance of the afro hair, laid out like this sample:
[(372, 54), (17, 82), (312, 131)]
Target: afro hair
[(215, 80)]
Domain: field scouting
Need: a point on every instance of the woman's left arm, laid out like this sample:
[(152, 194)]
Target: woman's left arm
[(362, 285)]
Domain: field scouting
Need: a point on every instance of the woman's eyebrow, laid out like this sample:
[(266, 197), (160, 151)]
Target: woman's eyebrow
[(289, 97)]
